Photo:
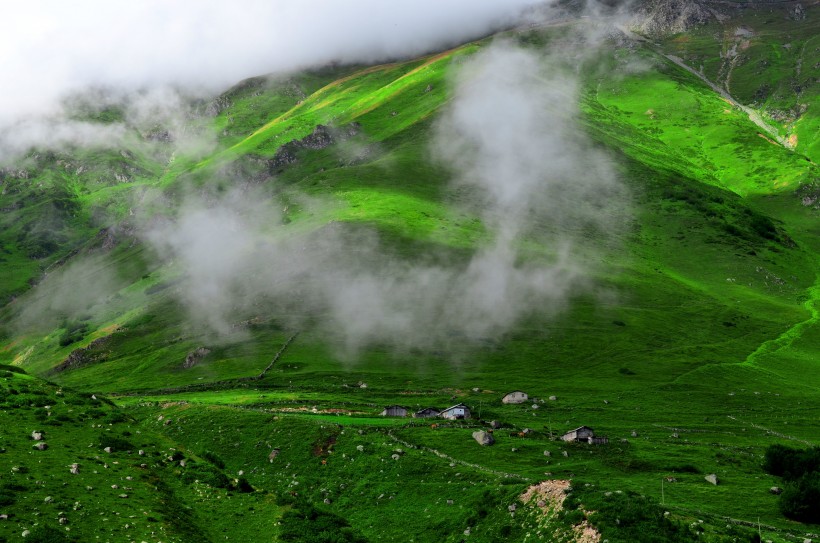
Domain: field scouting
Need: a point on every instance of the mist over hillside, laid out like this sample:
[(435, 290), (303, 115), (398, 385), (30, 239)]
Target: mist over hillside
[(311, 271)]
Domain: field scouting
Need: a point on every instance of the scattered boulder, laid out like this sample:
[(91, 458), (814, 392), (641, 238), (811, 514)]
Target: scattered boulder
[(776, 490), (565, 454), (547, 453), (37, 436), (428, 88), (63, 521), (273, 454), (483, 438), (634, 433), (511, 508), (108, 450), (553, 398), (495, 425), (712, 478), (41, 446), (48, 499)]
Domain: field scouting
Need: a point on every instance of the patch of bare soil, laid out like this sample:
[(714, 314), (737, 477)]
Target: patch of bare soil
[(549, 497)]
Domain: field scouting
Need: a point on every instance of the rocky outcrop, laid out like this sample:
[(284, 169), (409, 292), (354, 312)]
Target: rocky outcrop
[(195, 357), (661, 17), (84, 356)]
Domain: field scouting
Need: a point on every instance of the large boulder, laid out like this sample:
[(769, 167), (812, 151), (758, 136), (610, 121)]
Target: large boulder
[(712, 478), (483, 438)]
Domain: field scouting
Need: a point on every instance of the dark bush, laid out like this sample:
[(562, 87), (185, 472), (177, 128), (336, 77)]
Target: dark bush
[(306, 524), (800, 499), (789, 463), (116, 443), (205, 474), (213, 459), (47, 534)]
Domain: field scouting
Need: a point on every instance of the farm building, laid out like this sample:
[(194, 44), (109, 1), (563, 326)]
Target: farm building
[(516, 396), (394, 411), (427, 412), (458, 411), (584, 434)]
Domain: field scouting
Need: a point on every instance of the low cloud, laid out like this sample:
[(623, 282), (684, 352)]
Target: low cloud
[(550, 202), (53, 48)]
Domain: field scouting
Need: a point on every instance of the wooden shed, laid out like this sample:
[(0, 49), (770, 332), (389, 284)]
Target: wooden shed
[(458, 411), (427, 412), (394, 411), (516, 396)]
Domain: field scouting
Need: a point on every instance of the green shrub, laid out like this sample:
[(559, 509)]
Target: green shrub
[(800, 499), (213, 459), (116, 443), (47, 534), (205, 474)]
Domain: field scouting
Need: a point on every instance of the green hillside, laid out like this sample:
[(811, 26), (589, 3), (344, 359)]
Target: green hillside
[(691, 344)]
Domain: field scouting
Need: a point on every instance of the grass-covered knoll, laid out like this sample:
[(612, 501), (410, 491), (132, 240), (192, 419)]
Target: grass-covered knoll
[(694, 353)]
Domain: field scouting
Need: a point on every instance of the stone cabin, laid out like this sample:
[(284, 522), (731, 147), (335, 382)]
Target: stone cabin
[(584, 434), (516, 396), (394, 411), (456, 412), (427, 412)]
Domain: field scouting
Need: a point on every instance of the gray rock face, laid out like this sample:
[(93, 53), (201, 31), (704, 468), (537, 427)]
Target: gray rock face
[(797, 13), (712, 478), (195, 357), (483, 438), (661, 17)]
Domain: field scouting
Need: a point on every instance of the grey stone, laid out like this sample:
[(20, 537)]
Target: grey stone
[(483, 438), (712, 478)]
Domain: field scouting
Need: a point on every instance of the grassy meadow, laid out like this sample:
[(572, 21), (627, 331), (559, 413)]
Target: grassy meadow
[(696, 350)]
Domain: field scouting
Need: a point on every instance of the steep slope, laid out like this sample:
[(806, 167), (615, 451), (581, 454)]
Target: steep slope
[(693, 353)]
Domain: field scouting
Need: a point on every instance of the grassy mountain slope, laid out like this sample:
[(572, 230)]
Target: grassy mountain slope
[(704, 346)]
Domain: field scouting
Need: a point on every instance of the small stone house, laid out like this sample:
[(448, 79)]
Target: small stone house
[(582, 433), (427, 412), (394, 411), (516, 396), (456, 412)]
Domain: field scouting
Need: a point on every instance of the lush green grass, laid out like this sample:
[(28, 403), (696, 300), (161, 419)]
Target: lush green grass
[(701, 337)]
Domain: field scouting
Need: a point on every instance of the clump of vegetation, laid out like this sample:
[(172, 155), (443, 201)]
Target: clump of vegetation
[(206, 474), (47, 534), (625, 517), (306, 524), (74, 331), (800, 470)]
